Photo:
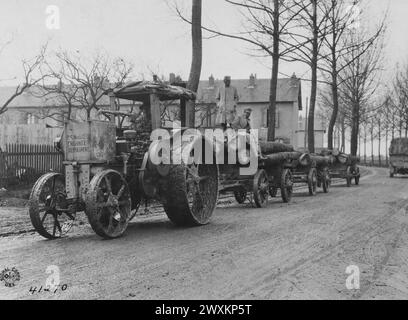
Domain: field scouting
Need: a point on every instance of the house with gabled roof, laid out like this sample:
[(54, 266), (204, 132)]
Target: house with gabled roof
[(254, 93)]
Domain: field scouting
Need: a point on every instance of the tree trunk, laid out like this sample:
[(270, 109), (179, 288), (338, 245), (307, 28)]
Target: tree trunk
[(372, 143), (334, 87), (313, 93), (379, 142), (355, 128), (365, 147), (195, 70), (274, 76), (386, 147), (343, 134)]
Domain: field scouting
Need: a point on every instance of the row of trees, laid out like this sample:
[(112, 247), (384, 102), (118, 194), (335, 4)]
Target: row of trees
[(343, 55), (326, 35)]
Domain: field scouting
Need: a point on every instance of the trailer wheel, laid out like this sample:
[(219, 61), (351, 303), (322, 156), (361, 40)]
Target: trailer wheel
[(348, 177), (192, 195), (49, 211), (326, 181), (108, 204), (261, 188), (240, 195), (312, 181), (273, 191), (286, 185)]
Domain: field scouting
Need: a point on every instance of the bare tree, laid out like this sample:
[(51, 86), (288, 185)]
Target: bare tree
[(32, 75), (265, 24), (82, 83), (360, 78)]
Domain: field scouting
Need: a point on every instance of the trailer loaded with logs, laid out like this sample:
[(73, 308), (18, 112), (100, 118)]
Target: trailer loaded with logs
[(272, 175), (343, 166)]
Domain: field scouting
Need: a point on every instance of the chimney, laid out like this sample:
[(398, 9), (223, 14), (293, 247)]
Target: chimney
[(251, 81), (211, 82), (60, 85), (172, 78), (293, 80)]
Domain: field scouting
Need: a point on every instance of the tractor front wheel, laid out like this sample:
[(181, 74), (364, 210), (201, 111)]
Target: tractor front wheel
[(49, 211)]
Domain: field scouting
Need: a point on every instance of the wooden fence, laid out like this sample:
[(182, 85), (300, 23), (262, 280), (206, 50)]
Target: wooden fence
[(24, 163)]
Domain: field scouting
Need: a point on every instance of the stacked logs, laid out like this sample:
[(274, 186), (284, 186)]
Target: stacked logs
[(275, 153), (336, 157)]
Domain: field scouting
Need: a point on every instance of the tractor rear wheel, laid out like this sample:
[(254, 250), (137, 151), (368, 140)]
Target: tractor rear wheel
[(192, 194), (108, 204)]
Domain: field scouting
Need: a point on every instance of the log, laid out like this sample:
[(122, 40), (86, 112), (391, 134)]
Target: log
[(305, 160), (327, 152), (274, 147), (347, 159), (322, 161), (279, 158)]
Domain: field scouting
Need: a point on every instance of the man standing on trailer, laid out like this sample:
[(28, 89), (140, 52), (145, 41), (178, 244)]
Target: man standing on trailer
[(227, 100)]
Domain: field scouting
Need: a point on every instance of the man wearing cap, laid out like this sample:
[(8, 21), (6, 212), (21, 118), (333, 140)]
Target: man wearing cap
[(227, 100), (243, 122)]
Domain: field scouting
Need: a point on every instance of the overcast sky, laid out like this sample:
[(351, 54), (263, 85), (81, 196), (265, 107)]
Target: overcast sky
[(149, 34)]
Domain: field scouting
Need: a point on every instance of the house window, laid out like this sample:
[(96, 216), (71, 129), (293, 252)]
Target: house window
[(31, 119), (277, 121)]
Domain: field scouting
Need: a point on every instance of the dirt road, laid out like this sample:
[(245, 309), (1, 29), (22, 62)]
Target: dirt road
[(295, 251)]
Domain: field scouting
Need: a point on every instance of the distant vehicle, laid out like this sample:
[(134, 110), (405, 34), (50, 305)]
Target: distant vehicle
[(398, 156)]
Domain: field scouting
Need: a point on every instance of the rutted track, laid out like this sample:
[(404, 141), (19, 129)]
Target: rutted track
[(300, 250)]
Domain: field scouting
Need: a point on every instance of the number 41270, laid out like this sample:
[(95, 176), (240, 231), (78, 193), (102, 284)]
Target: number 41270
[(34, 290)]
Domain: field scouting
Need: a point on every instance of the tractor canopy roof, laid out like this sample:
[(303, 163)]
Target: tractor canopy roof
[(140, 91)]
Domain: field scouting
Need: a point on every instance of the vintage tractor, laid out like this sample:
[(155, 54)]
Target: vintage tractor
[(109, 172)]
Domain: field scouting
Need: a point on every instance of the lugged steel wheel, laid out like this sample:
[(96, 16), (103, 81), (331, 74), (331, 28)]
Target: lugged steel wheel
[(240, 195), (312, 181), (348, 177), (326, 181), (49, 211), (192, 194), (286, 185), (108, 204), (273, 191), (261, 189), (357, 176)]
